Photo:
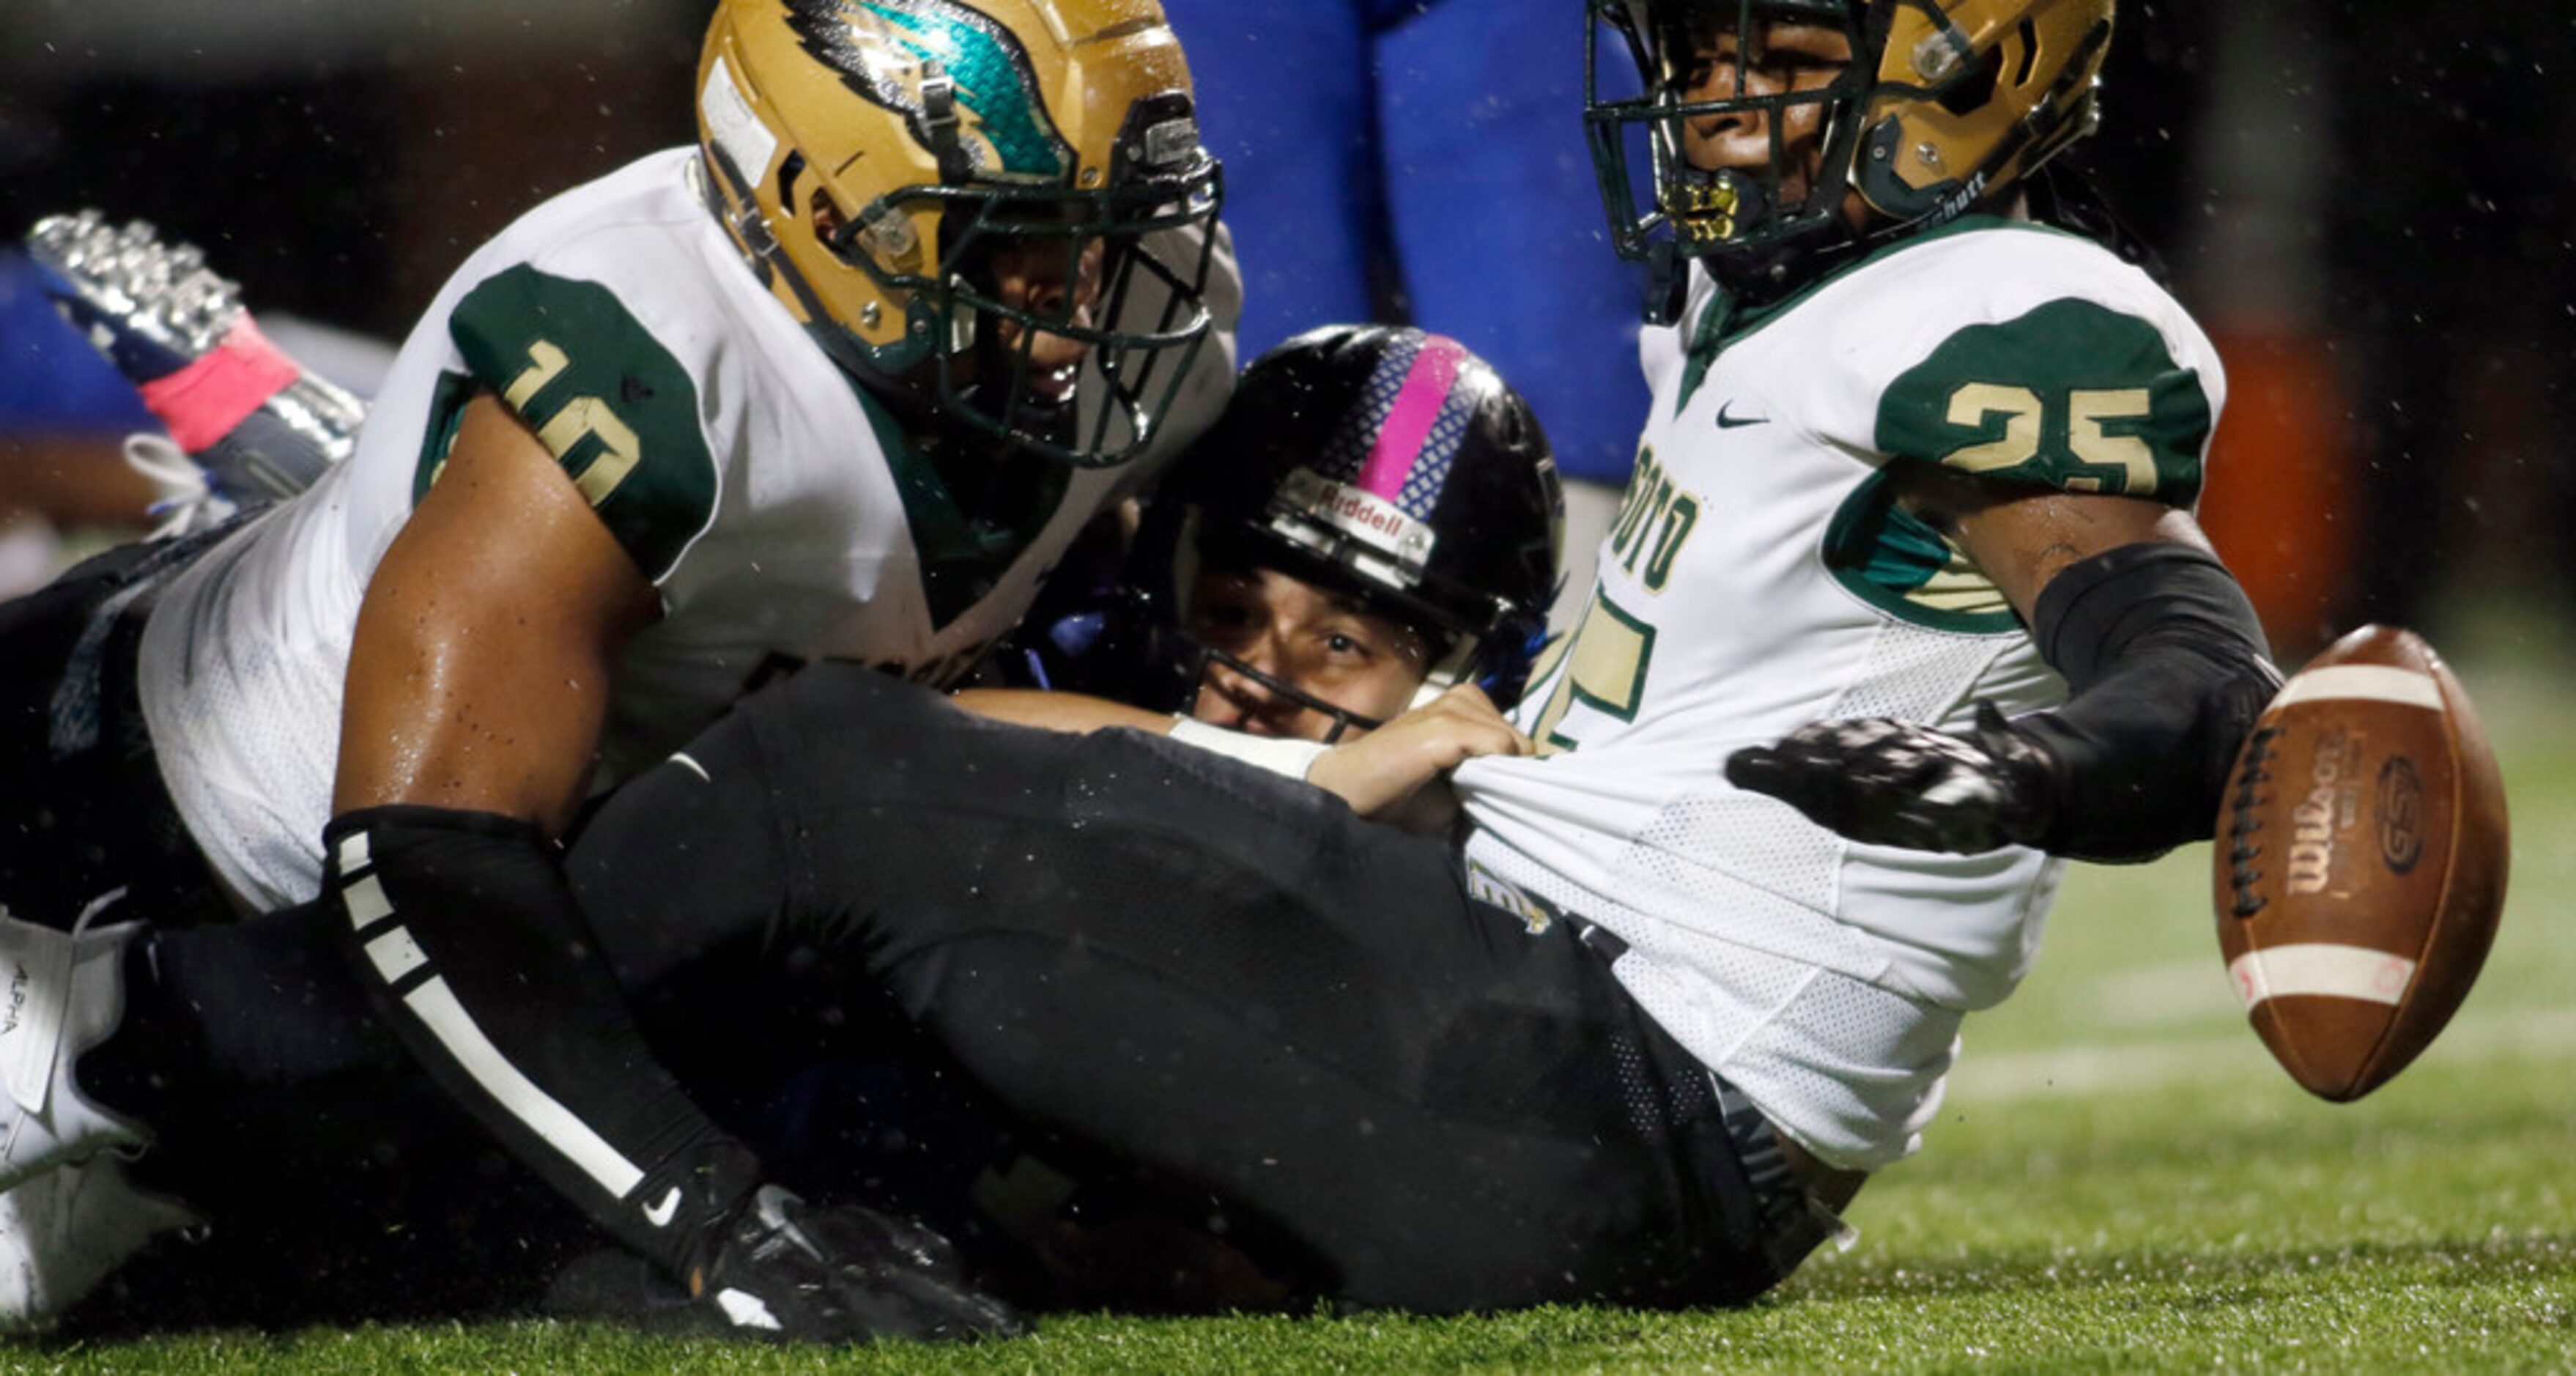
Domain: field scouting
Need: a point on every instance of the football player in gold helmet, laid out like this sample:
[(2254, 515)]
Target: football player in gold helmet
[(841, 378), (1775, 137), (1781, 149)]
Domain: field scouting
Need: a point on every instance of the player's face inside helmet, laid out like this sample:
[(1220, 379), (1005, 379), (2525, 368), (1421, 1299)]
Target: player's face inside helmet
[(1750, 82), (1046, 280), (1291, 658), (1755, 95), (1042, 273), (1376, 513), (1735, 148)]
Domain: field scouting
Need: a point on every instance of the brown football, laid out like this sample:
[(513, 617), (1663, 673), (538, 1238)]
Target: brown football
[(2361, 862)]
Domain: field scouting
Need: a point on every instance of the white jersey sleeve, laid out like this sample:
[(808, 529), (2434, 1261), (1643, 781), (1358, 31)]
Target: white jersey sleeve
[(1760, 576), (781, 511)]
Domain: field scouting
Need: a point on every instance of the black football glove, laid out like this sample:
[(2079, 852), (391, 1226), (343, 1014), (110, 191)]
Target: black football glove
[(784, 1270), (1900, 783)]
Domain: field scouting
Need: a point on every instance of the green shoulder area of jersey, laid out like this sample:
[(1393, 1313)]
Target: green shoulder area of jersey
[(2071, 395), (612, 405), (621, 415)]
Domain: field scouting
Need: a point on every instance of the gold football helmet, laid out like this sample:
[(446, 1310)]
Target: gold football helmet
[(994, 213), (1944, 104)]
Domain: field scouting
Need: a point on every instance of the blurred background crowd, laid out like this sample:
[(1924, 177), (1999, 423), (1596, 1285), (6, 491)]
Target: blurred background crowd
[(2370, 207)]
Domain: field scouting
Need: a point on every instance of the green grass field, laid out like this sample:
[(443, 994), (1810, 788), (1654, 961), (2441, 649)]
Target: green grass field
[(2121, 1180)]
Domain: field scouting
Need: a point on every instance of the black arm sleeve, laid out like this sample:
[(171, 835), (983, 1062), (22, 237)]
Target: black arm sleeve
[(470, 945), (2167, 669)]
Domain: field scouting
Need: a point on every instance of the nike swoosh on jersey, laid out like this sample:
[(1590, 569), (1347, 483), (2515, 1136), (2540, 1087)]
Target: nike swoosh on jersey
[(659, 1214), (1727, 422)]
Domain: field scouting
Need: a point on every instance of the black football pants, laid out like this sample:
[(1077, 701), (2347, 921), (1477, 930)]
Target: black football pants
[(1215, 973)]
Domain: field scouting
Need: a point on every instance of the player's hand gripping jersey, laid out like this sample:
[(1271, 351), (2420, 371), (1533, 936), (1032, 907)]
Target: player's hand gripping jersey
[(776, 507), (1760, 577)]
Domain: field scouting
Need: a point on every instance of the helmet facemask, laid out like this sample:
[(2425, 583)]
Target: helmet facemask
[(1751, 224), (1078, 364)]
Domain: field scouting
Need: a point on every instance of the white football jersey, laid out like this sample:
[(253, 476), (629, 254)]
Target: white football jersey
[(780, 512), (1759, 578)]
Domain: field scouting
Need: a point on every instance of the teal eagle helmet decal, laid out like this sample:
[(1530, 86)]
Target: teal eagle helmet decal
[(890, 51)]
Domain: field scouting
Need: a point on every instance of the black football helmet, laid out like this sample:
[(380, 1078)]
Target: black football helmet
[(1382, 462), (1943, 105)]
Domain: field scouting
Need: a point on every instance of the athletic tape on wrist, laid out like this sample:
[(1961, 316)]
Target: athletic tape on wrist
[(1278, 754), (202, 402)]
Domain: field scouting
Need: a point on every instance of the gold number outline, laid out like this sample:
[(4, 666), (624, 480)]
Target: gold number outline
[(583, 416), (2089, 411), (1604, 666)]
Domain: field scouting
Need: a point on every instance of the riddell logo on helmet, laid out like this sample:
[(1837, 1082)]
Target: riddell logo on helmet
[(1353, 512), (1348, 506)]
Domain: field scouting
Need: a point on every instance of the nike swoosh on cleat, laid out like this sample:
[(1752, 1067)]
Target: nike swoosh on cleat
[(659, 1215), (1727, 422)]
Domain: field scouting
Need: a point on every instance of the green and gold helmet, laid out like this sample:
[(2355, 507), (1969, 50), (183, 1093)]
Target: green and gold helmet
[(1944, 104), (891, 167)]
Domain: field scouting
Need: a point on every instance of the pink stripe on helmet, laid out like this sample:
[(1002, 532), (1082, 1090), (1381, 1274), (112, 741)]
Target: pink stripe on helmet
[(1409, 420)]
